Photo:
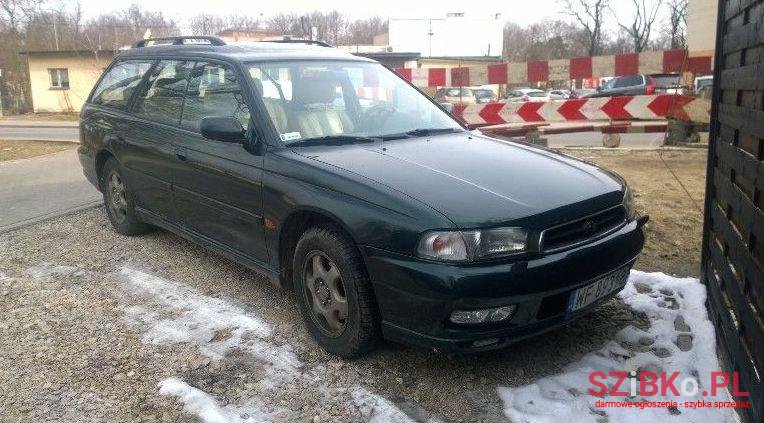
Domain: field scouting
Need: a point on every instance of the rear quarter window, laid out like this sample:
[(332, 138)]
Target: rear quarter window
[(119, 83)]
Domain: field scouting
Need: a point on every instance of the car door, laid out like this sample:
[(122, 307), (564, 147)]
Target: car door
[(143, 163), (217, 186)]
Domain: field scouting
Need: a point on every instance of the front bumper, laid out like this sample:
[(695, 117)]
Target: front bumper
[(416, 297)]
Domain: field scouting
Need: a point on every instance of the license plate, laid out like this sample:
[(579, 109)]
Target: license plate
[(582, 297)]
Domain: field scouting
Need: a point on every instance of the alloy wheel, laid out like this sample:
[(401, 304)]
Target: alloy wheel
[(116, 195), (325, 294)]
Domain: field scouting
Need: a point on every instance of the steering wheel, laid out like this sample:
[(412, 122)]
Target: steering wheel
[(377, 114)]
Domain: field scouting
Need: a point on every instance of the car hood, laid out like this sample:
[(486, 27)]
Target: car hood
[(477, 181)]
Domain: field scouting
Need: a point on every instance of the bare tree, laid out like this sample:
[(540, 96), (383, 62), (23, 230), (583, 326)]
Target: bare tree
[(677, 22), (285, 23), (641, 26), (590, 14), (363, 31)]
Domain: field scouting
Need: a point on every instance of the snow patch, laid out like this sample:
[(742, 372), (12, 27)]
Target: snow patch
[(376, 409), (44, 270), (664, 299), (202, 405), (175, 313), (214, 325)]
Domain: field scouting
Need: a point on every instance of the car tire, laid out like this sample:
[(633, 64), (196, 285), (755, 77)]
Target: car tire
[(328, 269), (119, 201)]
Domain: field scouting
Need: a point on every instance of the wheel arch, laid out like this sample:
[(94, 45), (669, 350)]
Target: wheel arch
[(292, 228), (100, 160)]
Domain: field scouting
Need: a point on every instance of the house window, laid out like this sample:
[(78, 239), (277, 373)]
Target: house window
[(59, 78)]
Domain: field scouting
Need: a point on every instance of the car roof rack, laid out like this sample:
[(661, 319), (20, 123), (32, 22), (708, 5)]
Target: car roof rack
[(180, 41), (296, 41)]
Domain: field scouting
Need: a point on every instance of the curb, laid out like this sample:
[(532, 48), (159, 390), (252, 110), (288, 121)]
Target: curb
[(52, 215)]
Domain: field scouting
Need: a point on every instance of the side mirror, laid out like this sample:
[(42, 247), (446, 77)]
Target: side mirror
[(223, 129)]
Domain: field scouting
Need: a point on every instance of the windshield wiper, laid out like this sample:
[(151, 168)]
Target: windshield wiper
[(332, 140), (421, 132)]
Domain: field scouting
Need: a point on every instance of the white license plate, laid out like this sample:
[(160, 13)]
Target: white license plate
[(582, 297)]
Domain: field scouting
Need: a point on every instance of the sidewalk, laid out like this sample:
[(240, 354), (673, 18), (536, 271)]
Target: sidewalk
[(43, 187)]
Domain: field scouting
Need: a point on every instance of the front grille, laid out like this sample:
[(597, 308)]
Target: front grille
[(582, 230)]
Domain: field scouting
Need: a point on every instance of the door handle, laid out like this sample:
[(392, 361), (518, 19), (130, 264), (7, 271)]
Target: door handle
[(182, 157)]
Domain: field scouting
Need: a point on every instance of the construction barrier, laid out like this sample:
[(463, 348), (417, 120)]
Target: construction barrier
[(651, 62), (640, 107)]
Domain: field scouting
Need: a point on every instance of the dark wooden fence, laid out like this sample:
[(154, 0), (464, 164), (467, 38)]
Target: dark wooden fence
[(733, 243)]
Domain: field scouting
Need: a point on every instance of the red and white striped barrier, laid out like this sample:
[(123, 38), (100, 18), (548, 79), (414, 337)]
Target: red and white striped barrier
[(642, 107), (670, 61)]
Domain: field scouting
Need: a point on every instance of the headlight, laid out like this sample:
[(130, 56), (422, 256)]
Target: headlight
[(628, 204), (472, 245)]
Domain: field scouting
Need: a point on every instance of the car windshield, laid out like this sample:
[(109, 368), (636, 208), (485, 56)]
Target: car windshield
[(315, 101)]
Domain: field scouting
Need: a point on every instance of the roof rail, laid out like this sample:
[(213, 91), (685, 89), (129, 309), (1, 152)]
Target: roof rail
[(179, 41), (294, 41)]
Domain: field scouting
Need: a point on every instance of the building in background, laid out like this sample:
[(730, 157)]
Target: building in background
[(701, 27), (61, 80), (456, 34)]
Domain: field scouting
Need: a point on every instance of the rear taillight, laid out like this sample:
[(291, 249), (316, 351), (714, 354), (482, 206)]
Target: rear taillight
[(651, 83)]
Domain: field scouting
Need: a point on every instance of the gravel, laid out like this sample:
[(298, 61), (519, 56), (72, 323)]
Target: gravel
[(97, 326)]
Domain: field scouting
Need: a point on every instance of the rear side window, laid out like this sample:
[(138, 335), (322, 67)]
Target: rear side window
[(213, 90), (117, 86), (628, 81), (161, 100)]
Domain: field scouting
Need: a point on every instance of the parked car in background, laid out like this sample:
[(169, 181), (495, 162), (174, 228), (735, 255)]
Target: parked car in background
[(669, 83), (527, 94), (627, 85), (465, 95), (703, 86), (484, 95), (559, 94)]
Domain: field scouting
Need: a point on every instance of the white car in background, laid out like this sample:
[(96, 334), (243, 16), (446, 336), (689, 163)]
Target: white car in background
[(527, 94), (559, 94)]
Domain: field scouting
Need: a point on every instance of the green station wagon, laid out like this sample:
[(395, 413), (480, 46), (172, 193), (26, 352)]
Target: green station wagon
[(334, 177)]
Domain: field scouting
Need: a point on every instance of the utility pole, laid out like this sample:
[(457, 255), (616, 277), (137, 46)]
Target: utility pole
[(430, 33), (55, 32)]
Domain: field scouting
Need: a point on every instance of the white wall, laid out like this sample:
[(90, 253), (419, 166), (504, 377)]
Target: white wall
[(469, 35)]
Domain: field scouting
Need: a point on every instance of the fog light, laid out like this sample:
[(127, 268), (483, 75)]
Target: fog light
[(485, 315)]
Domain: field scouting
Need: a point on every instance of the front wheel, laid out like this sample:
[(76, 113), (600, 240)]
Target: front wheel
[(120, 206), (334, 293)]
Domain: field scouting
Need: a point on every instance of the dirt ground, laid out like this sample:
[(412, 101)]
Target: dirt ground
[(15, 150), (676, 218)]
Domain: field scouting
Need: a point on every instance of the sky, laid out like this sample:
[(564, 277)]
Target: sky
[(523, 12)]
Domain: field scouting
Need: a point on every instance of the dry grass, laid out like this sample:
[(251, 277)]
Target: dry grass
[(676, 218), (15, 150)]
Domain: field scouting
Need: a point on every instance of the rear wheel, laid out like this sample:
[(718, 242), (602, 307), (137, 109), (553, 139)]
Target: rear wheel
[(334, 293), (120, 206)]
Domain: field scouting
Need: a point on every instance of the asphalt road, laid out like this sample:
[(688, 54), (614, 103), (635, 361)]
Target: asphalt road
[(40, 133), (42, 187)]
